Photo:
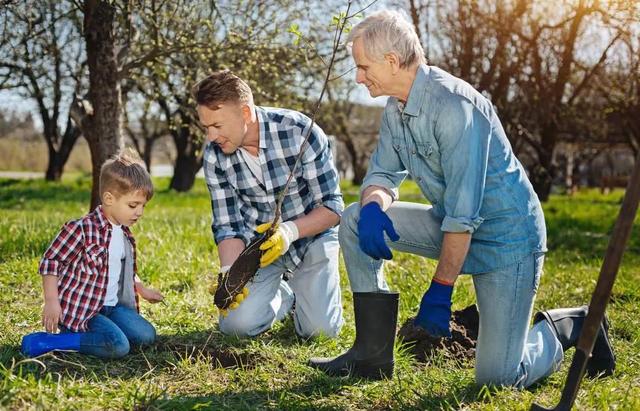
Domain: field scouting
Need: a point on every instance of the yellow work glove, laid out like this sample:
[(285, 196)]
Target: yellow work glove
[(278, 243)]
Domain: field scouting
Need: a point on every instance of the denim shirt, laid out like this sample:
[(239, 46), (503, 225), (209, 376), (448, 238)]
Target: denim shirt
[(449, 139)]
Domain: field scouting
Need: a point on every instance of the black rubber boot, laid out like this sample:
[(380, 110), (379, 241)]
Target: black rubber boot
[(371, 356), (567, 325)]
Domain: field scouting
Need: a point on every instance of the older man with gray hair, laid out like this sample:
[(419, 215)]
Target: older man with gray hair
[(484, 219)]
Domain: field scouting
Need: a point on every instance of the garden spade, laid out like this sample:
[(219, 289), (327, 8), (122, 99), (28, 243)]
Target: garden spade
[(602, 292)]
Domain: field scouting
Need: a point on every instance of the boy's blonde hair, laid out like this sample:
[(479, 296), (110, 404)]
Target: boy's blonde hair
[(221, 87), (125, 173)]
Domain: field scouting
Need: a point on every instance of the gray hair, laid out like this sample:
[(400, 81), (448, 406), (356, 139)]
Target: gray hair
[(386, 32)]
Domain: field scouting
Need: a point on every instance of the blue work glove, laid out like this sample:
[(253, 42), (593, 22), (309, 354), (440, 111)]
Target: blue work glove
[(435, 310), (372, 225)]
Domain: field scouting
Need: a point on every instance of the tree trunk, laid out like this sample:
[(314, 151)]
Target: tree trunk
[(101, 125), (184, 173), (542, 173), (146, 153), (359, 172), (58, 158), (188, 162)]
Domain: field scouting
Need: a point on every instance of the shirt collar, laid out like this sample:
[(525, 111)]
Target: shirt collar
[(103, 222), (263, 123), (100, 218), (417, 93)]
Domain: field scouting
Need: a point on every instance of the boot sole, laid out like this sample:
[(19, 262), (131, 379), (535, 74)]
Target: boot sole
[(355, 370)]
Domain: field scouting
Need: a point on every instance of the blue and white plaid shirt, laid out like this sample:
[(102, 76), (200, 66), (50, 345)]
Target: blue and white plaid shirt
[(240, 202)]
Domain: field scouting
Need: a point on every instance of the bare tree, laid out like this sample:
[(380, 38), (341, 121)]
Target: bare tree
[(250, 40), (99, 116), (619, 85), (42, 59), (534, 60)]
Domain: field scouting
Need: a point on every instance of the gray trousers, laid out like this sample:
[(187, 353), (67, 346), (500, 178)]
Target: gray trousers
[(314, 285)]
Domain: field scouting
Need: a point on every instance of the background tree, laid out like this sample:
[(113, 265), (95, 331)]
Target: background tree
[(533, 59), (247, 37), (619, 83), (42, 59), (99, 116)]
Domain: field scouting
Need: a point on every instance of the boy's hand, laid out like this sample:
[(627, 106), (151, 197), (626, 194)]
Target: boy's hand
[(149, 294), (51, 315)]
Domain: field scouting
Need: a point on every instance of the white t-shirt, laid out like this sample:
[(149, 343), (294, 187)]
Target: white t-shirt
[(116, 259), (254, 164)]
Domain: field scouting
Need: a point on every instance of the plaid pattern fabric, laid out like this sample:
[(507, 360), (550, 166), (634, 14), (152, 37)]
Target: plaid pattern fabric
[(79, 257), (240, 202)]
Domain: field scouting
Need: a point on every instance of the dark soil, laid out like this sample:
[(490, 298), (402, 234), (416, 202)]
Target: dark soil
[(461, 346), (219, 357)]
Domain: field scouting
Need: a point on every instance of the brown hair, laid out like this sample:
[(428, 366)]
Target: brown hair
[(125, 173), (221, 87)]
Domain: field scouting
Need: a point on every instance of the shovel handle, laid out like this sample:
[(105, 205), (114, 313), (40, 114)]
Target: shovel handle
[(602, 292)]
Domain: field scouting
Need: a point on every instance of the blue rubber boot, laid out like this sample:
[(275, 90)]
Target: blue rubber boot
[(39, 343)]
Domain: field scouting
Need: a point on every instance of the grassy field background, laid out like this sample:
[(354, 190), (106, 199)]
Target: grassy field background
[(186, 368)]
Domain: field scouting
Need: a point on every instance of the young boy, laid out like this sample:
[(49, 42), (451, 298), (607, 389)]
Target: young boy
[(89, 273)]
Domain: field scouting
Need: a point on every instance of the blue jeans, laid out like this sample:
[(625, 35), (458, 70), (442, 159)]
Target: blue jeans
[(507, 353), (314, 285), (111, 333)]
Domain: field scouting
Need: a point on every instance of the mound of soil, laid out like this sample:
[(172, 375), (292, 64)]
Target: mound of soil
[(461, 346)]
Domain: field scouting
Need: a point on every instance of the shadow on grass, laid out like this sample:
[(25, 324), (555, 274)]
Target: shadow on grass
[(319, 387), (209, 347), (586, 238), (199, 347), (18, 194), (286, 397)]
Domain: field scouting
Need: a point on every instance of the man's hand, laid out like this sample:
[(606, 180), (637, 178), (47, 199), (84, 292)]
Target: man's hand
[(372, 225), (149, 294), (435, 309), (51, 315), (278, 243)]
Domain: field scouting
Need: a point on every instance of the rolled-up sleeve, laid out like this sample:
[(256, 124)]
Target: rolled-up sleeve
[(385, 167), (227, 219), (464, 135), (62, 250), (319, 171)]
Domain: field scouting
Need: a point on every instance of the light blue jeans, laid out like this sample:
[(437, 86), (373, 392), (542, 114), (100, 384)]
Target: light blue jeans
[(111, 333), (314, 286), (508, 352)]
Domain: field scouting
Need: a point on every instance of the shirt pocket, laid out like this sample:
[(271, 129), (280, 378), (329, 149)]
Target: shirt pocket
[(400, 147), (95, 255), (429, 156), (398, 144)]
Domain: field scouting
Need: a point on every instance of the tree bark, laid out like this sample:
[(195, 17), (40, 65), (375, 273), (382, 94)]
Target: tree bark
[(58, 157), (188, 161), (101, 126)]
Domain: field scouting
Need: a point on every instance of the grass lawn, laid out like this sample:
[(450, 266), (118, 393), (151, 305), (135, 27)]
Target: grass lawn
[(185, 369)]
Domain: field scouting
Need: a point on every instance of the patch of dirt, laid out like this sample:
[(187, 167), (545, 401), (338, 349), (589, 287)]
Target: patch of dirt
[(219, 357), (461, 346)]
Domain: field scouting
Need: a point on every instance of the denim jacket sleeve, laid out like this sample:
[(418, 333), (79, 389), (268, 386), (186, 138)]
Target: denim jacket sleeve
[(463, 133), (385, 167)]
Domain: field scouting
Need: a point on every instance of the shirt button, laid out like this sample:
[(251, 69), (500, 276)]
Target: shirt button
[(413, 152)]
